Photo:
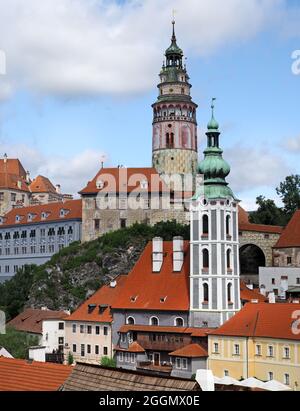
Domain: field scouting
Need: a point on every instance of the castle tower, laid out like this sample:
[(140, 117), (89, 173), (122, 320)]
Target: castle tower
[(215, 273), (174, 117)]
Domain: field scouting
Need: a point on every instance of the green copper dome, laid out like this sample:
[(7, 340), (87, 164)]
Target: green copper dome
[(174, 49), (214, 168)]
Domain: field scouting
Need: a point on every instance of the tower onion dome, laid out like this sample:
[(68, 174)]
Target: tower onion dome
[(214, 168)]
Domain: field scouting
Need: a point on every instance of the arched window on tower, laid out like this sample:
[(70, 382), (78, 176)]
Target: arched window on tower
[(205, 224), (172, 140), (228, 221), (154, 321), (205, 259), (228, 259), (168, 140), (205, 293), (229, 293)]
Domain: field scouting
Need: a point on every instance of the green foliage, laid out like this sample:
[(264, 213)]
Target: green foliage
[(268, 213), (108, 362), (70, 358), (17, 343), (289, 192)]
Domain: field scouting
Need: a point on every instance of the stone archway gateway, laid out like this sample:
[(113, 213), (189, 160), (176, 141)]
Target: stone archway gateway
[(251, 258)]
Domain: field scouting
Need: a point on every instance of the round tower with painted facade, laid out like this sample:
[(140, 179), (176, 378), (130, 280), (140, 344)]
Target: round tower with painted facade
[(215, 271), (174, 117)]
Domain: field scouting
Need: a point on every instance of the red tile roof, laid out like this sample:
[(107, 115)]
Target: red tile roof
[(12, 172), (291, 235), (125, 180), (73, 210), (250, 295), (190, 351), (31, 320), (42, 184), (134, 348), (105, 296), (263, 320), (21, 375), (267, 229), (145, 289), (243, 216), (194, 332)]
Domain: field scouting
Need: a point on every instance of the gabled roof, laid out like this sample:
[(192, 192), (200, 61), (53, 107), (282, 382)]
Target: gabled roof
[(190, 351), (73, 210), (250, 295), (291, 235), (12, 175), (263, 320), (89, 377), (133, 348), (163, 291), (22, 375), (42, 184), (125, 180), (104, 297), (31, 320)]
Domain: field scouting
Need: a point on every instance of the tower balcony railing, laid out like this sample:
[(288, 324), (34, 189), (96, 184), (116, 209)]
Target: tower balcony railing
[(172, 118)]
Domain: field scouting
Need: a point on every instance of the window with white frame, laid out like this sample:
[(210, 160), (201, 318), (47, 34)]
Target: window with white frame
[(133, 358), (270, 375), (286, 379), (154, 321), (258, 350), (286, 352), (130, 320), (121, 356), (226, 373), (270, 351), (237, 349), (184, 363), (216, 348), (179, 322)]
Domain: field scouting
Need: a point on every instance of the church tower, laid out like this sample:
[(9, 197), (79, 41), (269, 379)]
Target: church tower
[(174, 117), (215, 273)]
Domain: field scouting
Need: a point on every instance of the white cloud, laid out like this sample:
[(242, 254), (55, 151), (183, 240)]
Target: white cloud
[(72, 173), (292, 145), (91, 47), (254, 169)]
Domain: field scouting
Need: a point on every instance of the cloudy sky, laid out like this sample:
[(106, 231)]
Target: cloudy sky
[(81, 76)]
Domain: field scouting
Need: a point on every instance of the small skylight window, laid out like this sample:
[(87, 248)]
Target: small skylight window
[(163, 299), (133, 298), (100, 184), (144, 184)]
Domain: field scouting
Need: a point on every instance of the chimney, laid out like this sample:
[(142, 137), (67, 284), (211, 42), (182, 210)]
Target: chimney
[(178, 254), (157, 254), (5, 158), (263, 290), (27, 177), (58, 188), (19, 184), (113, 284), (284, 286), (250, 286)]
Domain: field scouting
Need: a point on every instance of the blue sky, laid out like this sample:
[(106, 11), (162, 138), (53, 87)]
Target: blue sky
[(85, 89)]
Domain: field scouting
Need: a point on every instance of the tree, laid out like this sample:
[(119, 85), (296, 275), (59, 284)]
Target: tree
[(70, 358), (289, 192), (17, 343), (268, 213), (108, 362)]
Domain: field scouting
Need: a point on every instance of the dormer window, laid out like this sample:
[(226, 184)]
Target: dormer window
[(62, 213), (30, 217), (44, 215), (100, 184), (133, 298), (18, 218), (91, 308), (163, 300)]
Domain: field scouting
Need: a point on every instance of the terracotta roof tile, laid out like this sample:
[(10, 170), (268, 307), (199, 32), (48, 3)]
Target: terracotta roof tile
[(190, 351), (42, 184), (105, 297), (21, 375), (73, 211), (31, 320), (243, 216), (262, 320), (149, 288), (249, 295), (291, 235), (133, 348), (12, 174), (125, 180), (267, 229)]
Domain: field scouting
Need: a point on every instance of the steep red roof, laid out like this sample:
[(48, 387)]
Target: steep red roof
[(21, 375), (31, 320), (250, 295), (73, 210), (105, 296), (145, 289), (190, 351), (125, 180), (12, 175), (291, 235), (267, 229), (194, 332), (263, 320), (42, 184), (243, 216), (134, 348)]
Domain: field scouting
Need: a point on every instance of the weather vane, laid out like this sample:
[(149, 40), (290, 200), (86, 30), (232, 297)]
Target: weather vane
[(174, 13)]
